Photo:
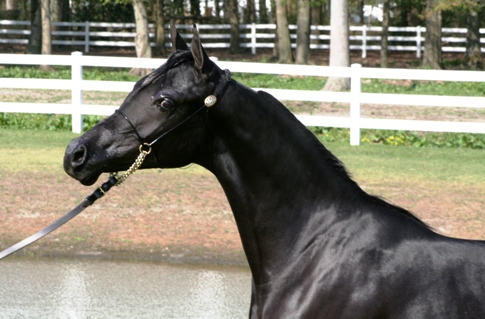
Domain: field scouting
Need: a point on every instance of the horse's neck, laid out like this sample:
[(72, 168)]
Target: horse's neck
[(273, 173)]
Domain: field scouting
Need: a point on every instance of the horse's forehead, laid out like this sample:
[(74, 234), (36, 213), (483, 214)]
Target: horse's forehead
[(167, 72)]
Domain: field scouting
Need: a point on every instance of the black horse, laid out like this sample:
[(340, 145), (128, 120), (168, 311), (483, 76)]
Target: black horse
[(318, 246)]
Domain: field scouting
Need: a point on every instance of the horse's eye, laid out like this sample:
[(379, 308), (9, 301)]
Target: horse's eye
[(166, 105)]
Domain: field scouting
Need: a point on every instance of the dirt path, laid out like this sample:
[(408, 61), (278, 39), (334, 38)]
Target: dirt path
[(183, 215)]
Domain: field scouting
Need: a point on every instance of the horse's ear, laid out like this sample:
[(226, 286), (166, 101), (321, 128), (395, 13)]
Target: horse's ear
[(201, 59), (178, 43)]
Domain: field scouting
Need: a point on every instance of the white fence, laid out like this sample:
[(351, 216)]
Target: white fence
[(253, 36), (355, 97)]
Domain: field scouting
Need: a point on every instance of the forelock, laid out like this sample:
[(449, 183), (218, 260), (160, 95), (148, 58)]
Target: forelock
[(175, 59)]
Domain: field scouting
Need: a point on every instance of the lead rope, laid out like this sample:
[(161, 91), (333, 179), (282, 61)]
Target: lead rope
[(114, 180)]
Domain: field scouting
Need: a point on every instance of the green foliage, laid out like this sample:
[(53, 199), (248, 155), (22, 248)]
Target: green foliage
[(47, 122), (424, 87), (102, 11), (280, 82), (404, 138), (64, 73), (34, 72)]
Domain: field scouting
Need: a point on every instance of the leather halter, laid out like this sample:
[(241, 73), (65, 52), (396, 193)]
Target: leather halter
[(209, 101), (113, 179)]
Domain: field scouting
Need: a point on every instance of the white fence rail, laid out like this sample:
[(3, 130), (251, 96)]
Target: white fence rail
[(355, 97), (253, 36)]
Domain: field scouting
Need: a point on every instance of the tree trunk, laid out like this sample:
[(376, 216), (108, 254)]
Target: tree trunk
[(384, 34), (60, 10), (432, 45), (10, 5), (316, 13), (303, 32), (218, 11), (339, 43), (160, 38), (35, 38), (46, 27), (249, 12), (55, 12), (11, 11), (263, 12), (232, 15), (272, 3), (283, 32), (46, 48), (195, 8), (473, 59), (142, 40)]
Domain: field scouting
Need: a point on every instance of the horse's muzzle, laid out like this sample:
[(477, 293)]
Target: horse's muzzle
[(76, 164)]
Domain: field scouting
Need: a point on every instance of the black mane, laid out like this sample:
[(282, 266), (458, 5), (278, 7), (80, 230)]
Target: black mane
[(337, 165)]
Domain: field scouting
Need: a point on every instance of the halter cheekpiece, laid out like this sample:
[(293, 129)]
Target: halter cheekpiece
[(209, 102)]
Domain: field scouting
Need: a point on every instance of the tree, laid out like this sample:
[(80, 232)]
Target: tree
[(263, 12), (384, 34), (473, 58), (35, 37), (60, 10), (283, 33), (142, 40), (160, 37), (11, 11), (432, 43), (232, 16), (46, 47), (249, 15), (46, 27), (339, 43), (303, 32)]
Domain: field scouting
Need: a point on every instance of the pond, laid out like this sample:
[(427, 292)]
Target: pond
[(73, 288)]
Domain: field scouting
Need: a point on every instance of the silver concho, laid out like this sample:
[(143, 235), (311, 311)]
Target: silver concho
[(210, 100)]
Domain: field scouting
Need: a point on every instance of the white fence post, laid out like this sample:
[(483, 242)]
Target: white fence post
[(355, 90), (418, 41), (364, 41), (253, 38), (76, 93), (86, 36)]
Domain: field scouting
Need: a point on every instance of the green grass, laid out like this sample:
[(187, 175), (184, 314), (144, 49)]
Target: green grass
[(379, 162), (280, 81), (37, 151), (32, 150), (424, 87)]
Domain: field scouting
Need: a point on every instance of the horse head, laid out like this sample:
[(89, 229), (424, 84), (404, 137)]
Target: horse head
[(171, 96)]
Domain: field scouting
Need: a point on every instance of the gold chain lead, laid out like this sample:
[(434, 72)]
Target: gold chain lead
[(139, 160)]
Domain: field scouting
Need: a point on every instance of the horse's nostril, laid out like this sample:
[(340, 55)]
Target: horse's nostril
[(79, 156)]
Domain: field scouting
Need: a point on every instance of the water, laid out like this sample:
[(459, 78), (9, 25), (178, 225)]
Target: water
[(105, 289)]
